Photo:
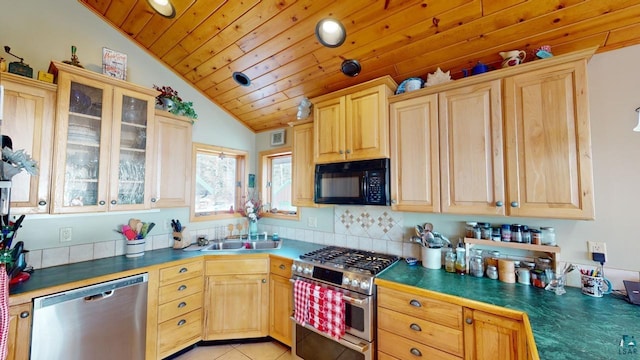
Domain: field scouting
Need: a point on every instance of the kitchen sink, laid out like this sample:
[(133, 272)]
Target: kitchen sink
[(243, 245)]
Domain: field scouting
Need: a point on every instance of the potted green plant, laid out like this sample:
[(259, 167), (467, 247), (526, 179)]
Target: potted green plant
[(170, 101)]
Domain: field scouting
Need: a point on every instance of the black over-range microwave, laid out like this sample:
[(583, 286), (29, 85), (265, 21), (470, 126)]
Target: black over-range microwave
[(363, 182)]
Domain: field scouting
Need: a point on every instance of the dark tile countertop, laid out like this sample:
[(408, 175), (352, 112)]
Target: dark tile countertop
[(568, 326), (64, 274)]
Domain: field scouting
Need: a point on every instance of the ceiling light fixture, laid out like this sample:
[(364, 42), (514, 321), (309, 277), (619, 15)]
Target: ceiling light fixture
[(241, 79), (330, 32), (163, 7)]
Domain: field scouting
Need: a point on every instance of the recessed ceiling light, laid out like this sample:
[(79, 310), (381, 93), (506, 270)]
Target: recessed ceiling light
[(163, 7), (241, 79), (330, 32)]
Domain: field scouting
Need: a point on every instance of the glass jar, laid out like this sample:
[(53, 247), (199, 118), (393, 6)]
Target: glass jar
[(496, 234), (506, 232), (450, 261), (476, 265), (461, 261), (469, 229), (492, 272), (485, 231), (548, 236), (526, 234), (536, 236), (491, 258), (543, 263), (516, 233)]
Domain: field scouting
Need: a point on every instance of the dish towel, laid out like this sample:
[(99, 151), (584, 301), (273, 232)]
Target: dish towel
[(301, 290), (327, 311), (4, 312)]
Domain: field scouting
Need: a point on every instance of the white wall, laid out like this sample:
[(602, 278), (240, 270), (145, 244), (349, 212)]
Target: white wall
[(43, 30), (614, 94)]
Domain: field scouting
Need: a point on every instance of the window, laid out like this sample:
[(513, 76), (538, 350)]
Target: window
[(276, 190), (218, 183)]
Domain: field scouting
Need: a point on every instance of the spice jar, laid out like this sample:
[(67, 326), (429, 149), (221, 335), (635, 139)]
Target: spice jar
[(476, 265), (485, 231), (516, 233), (526, 234), (536, 236), (492, 272), (506, 232), (450, 261), (496, 234), (470, 229)]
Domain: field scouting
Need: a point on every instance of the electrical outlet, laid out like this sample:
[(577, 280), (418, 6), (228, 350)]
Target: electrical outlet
[(65, 234), (596, 247), (167, 224), (312, 222)]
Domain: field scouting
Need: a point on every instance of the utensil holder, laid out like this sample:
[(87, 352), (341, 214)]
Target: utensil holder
[(135, 248), (431, 258)]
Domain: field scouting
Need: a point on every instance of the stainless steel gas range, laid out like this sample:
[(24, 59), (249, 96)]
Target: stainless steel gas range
[(351, 272)]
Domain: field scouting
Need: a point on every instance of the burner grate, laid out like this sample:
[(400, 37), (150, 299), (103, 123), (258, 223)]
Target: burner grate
[(352, 259)]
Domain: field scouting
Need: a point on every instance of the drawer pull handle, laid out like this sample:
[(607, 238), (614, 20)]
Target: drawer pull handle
[(415, 303), (24, 314), (282, 267), (415, 327), (182, 322), (183, 270), (182, 288), (182, 304), (416, 352), (469, 321)]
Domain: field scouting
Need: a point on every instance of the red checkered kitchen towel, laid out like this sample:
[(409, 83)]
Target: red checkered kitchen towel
[(322, 308)]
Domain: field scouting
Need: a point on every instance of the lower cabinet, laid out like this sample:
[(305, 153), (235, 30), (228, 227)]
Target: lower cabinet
[(19, 331), (413, 324), (280, 300), (179, 310), (236, 298)]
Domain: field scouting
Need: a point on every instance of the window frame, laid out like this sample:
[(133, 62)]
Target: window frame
[(264, 176), (242, 169)]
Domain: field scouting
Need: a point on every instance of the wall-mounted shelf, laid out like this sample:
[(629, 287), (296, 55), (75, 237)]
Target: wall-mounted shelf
[(552, 251)]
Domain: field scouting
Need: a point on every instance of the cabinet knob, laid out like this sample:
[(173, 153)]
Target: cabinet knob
[(264, 281), (393, 201), (415, 352), (153, 200), (340, 152), (468, 321), (183, 270), (415, 327), (348, 151), (24, 314), (101, 203), (42, 203), (415, 303), (182, 304), (182, 322), (113, 202), (182, 288), (499, 204), (514, 204), (282, 267)]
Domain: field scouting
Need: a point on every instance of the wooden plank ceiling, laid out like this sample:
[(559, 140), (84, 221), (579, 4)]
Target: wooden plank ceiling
[(273, 41)]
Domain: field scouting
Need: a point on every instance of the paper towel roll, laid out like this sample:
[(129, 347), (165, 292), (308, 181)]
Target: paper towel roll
[(431, 258)]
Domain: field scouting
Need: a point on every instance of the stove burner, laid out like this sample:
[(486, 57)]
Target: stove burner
[(351, 259)]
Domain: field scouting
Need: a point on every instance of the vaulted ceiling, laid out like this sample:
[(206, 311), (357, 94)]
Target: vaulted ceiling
[(273, 41)]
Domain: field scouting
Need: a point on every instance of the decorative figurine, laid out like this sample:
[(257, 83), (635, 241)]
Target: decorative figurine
[(74, 58)]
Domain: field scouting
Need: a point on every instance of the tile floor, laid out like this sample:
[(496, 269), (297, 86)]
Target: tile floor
[(247, 351)]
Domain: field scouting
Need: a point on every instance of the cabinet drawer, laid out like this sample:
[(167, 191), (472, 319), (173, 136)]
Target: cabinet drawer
[(180, 289), (280, 266), (422, 307), (425, 332), (237, 266), (179, 332), (180, 272), (403, 348), (179, 307), (383, 356)]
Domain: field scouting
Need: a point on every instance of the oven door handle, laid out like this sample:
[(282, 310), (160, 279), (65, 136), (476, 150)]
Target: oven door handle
[(361, 347), (346, 298)]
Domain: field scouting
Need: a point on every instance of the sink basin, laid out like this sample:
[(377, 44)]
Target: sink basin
[(225, 246), (243, 245)]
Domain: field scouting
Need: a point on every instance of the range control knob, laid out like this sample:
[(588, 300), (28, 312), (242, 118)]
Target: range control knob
[(364, 285), (346, 281), (355, 283), (307, 271), (294, 268)]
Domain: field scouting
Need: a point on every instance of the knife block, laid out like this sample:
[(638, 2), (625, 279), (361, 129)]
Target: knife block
[(178, 241)]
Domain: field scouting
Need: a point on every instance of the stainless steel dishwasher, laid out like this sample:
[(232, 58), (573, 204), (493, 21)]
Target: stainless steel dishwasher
[(103, 321)]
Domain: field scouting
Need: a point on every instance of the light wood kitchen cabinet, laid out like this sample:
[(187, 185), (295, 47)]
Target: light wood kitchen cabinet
[(172, 167), (104, 142), (303, 168), (548, 143), (414, 155), (353, 123), (280, 300), (179, 307), (471, 156), (28, 119), (19, 331), (488, 336), (236, 298)]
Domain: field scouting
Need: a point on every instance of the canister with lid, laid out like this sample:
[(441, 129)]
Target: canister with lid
[(450, 261), (548, 236), (506, 232), (516, 233), (476, 264), (536, 236), (485, 230), (470, 229)]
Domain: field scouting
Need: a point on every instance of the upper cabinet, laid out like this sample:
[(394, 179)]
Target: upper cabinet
[(28, 119), (104, 143), (548, 146), (172, 168), (303, 168), (353, 123)]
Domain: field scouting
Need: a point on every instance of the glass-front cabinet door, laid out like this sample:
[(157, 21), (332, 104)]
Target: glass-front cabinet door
[(104, 131), (131, 140)]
